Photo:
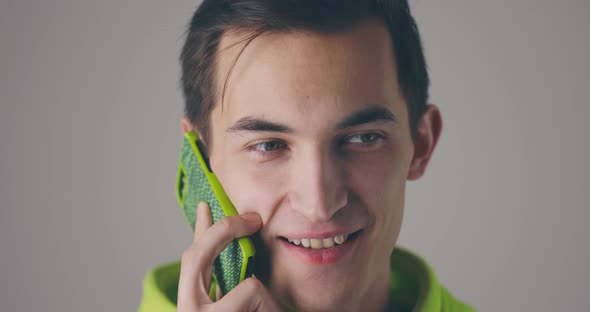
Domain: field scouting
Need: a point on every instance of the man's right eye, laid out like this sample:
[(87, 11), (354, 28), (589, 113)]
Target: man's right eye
[(266, 148)]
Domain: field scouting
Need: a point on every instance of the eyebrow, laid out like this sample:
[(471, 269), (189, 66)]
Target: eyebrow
[(371, 114), (258, 124), (378, 114)]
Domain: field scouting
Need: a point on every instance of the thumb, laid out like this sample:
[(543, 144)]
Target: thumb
[(250, 295)]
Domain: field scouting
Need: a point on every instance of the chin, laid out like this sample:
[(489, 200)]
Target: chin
[(314, 291), (319, 300)]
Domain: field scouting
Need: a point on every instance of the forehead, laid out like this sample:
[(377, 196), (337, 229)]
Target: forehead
[(307, 77)]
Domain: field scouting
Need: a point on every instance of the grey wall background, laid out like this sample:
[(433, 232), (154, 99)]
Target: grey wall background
[(89, 139)]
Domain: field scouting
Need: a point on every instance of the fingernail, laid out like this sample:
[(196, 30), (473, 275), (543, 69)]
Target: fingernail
[(251, 217)]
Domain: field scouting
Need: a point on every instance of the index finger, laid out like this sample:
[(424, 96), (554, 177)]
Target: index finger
[(216, 238), (203, 220)]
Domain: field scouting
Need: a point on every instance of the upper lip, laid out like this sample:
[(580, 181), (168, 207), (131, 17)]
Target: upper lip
[(320, 234)]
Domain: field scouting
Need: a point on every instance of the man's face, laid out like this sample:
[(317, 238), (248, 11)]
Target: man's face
[(313, 135)]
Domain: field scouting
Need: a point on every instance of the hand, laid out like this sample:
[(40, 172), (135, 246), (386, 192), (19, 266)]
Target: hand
[(197, 262)]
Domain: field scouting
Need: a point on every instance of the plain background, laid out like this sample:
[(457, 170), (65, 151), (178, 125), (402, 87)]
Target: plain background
[(90, 135)]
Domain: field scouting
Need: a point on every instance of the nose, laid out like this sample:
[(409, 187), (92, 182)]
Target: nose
[(319, 190)]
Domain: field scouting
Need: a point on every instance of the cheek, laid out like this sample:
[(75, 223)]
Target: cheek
[(380, 180), (252, 190), (249, 188), (380, 184)]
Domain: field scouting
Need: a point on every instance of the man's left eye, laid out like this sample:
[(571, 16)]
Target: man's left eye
[(364, 138)]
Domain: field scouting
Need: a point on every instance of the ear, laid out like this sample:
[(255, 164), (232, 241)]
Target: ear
[(429, 130), (186, 125)]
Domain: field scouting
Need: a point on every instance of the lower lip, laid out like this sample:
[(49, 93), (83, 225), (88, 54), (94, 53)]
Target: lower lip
[(322, 256)]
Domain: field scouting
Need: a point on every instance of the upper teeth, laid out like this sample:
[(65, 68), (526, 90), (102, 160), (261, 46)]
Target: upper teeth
[(319, 243)]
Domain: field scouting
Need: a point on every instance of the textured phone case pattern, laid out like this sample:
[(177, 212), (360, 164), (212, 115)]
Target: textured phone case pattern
[(227, 266)]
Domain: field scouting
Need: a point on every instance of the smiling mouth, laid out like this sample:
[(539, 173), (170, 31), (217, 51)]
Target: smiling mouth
[(326, 243)]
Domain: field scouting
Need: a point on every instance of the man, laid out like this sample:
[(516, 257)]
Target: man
[(314, 114)]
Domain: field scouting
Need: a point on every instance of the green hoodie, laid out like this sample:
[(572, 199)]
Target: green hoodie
[(414, 287)]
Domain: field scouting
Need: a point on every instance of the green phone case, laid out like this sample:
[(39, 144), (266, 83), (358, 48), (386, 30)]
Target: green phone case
[(196, 183)]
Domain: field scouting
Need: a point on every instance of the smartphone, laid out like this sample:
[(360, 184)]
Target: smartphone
[(195, 183)]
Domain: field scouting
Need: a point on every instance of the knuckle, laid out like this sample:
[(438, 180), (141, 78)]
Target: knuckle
[(187, 255), (226, 223)]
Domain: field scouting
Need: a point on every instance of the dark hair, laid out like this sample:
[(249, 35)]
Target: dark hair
[(213, 18)]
